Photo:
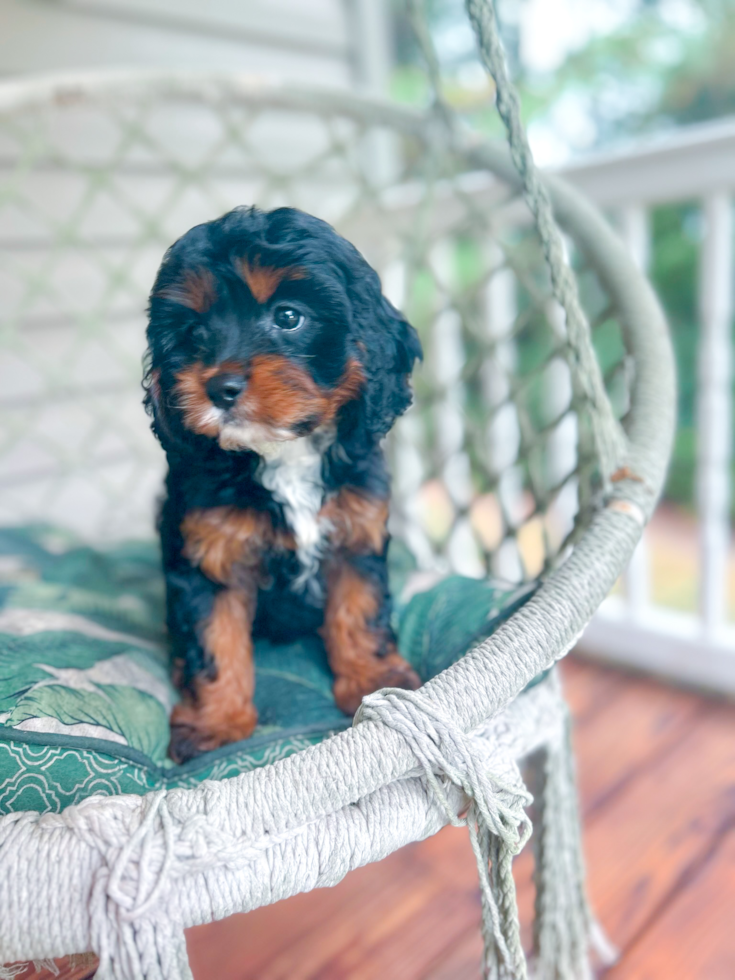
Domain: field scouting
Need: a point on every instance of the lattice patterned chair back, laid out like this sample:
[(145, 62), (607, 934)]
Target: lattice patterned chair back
[(512, 461), (99, 176)]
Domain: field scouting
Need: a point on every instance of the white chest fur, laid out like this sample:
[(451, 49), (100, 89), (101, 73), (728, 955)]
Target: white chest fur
[(292, 471)]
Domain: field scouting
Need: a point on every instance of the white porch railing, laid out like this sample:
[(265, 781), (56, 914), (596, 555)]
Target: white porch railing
[(697, 163)]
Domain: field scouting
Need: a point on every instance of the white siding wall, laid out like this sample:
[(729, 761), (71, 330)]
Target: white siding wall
[(310, 40)]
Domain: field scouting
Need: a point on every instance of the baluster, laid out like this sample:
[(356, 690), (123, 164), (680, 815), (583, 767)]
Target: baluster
[(371, 69), (562, 442), (634, 226), (370, 23), (406, 443), (503, 433), (448, 358), (714, 408)]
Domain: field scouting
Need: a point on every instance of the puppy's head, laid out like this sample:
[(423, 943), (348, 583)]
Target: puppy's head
[(267, 326)]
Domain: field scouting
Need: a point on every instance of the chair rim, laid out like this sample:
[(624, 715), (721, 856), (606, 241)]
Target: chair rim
[(323, 778)]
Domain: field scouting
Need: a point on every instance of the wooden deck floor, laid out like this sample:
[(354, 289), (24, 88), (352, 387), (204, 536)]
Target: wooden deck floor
[(657, 777)]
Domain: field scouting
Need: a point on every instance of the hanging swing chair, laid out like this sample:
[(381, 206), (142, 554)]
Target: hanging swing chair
[(535, 452)]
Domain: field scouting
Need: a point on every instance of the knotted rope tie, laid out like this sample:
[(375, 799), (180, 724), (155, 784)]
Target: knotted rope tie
[(496, 808), (142, 862)]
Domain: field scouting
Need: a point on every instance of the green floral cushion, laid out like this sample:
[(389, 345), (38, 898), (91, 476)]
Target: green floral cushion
[(85, 692)]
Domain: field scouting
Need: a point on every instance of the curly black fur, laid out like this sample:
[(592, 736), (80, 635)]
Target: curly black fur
[(203, 312)]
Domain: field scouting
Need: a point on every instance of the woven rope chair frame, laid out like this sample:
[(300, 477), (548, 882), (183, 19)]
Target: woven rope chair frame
[(125, 876)]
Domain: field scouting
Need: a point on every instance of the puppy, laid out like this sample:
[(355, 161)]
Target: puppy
[(275, 368)]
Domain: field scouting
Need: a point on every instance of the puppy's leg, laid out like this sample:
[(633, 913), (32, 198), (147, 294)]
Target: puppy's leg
[(357, 633), (213, 619), (213, 659)]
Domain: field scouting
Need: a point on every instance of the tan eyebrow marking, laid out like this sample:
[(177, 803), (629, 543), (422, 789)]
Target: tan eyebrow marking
[(264, 280)]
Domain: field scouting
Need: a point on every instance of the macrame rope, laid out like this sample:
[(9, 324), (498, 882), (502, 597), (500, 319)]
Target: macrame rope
[(564, 926), (10, 971), (138, 868), (608, 434), (497, 823)]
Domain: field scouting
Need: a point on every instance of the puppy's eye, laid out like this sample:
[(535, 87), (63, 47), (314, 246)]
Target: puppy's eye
[(287, 318)]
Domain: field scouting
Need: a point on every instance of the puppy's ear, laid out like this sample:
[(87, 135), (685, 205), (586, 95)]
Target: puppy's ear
[(388, 346), (155, 407)]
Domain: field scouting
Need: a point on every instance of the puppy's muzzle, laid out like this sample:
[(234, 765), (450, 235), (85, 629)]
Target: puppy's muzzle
[(224, 389)]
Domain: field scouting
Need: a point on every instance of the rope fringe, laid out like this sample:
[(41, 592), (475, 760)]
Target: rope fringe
[(564, 927), (496, 820), (12, 970), (138, 870)]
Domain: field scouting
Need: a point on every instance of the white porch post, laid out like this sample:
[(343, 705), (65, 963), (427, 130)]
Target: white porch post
[(503, 432), (371, 44), (715, 408)]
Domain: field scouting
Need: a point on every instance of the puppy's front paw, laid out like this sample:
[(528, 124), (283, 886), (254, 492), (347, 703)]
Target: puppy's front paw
[(390, 671), (194, 730)]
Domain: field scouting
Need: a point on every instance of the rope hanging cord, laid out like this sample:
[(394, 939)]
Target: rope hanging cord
[(608, 434), (497, 822)]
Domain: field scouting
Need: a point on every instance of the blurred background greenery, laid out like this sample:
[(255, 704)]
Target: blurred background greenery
[(594, 74)]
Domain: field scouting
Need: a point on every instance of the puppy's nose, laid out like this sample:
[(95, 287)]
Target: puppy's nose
[(224, 389)]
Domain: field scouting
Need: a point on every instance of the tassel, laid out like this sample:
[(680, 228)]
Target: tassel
[(497, 823), (564, 928)]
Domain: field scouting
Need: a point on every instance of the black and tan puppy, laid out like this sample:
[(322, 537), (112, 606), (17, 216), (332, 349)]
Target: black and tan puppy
[(276, 366)]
